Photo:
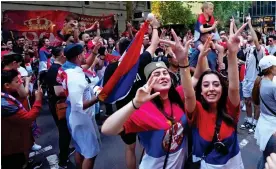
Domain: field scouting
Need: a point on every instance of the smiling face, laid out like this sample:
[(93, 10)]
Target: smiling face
[(9, 45), (163, 82), (211, 88)]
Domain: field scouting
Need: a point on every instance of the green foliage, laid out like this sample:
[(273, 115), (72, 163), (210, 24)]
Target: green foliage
[(173, 12), (224, 10)]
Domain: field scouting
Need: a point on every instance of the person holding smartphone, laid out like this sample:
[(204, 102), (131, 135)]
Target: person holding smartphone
[(16, 121)]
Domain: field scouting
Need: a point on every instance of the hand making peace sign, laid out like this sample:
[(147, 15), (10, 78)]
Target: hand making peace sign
[(143, 94), (234, 41), (180, 52)]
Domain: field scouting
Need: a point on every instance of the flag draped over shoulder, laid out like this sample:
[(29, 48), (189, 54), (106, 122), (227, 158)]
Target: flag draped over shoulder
[(120, 83)]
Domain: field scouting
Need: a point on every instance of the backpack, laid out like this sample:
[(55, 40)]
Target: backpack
[(257, 61)]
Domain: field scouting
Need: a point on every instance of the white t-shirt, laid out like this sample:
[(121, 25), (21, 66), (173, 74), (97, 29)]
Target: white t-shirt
[(271, 50), (23, 72), (251, 68)]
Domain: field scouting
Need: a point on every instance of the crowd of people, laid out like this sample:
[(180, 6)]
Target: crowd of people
[(183, 106)]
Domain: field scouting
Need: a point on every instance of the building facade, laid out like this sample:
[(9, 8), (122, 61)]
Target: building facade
[(263, 14), (93, 8)]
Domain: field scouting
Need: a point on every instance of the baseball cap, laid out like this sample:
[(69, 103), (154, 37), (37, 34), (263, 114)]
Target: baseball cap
[(267, 62), (73, 50), (153, 66), (222, 32)]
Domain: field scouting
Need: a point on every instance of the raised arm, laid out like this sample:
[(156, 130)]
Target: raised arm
[(202, 62), (115, 123), (91, 28), (98, 29), (233, 73), (181, 55), (155, 38), (92, 56), (253, 34)]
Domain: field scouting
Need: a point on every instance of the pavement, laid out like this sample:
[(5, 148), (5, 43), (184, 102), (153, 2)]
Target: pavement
[(112, 155)]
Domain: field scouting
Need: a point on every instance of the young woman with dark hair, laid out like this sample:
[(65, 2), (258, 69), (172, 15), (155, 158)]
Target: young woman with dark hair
[(213, 109), (157, 115), (264, 94)]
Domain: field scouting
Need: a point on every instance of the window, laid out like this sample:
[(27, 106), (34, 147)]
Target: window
[(273, 10), (148, 5), (254, 11), (86, 2), (269, 8)]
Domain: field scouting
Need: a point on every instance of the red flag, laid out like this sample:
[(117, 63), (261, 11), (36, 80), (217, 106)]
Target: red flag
[(130, 58)]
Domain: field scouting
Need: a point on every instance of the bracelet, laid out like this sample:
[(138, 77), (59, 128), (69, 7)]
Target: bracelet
[(184, 66), (102, 59), (134, 105), (94, 53), (154, 28)]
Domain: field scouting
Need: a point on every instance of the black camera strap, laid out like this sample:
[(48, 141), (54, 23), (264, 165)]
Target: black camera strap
[(210, 147)]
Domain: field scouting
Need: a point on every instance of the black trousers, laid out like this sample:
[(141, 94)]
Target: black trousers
[(64, 134), (14, 161)]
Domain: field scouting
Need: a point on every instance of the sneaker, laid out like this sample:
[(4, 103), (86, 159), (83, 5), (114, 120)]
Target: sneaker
[(252, 129), (246, 125), (244, 107), (36, 147), (33, 165)]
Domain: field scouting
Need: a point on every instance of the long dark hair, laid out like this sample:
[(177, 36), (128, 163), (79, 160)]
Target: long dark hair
[(221, 105), (173, 96), (257, 86), (6, 60)]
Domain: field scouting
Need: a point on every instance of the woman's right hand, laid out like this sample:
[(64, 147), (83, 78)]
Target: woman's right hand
[(143, 94), (206, 47), (38, 93)]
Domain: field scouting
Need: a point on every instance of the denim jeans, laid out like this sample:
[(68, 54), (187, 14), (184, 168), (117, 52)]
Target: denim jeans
[(270, 148)]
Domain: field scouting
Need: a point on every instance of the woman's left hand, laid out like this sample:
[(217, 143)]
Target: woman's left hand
[(181, 53)]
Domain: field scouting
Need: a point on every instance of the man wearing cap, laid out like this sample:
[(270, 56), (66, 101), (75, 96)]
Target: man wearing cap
[(83, 130), (264, 94)]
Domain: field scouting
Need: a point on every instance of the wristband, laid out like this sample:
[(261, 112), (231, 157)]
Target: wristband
[(184, 66), (94, 53), (102, 59), (134, 105)]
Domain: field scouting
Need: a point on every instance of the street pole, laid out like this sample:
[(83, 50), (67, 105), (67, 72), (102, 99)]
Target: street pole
[(243, 12)]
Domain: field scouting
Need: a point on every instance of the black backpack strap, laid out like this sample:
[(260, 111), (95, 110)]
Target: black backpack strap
[(257, 60), (209, 149), (87, 79), (274, 113)]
